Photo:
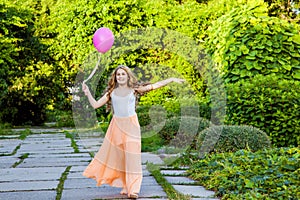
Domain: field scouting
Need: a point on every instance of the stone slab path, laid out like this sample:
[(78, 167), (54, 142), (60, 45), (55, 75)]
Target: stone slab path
[(45, 166)]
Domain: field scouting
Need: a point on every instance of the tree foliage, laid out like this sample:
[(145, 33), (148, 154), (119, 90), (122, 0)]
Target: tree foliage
[(27, 72), (246, 42), (45, 43), (268, 103)]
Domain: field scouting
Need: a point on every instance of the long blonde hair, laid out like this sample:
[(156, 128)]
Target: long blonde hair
[(132, 83)]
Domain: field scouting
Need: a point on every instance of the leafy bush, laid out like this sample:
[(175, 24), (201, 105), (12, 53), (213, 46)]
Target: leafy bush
[(246, 42), (180, 131), (62, 118), (267, 103), (232, 138), (268, 174), (151, 141)]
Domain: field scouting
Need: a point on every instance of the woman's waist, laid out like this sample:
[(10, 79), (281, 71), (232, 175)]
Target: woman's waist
[(124, 116), (129, 123)]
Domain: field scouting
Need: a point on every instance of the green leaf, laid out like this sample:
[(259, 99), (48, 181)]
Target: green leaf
[(250, 57), (296, 75), (287, 67), (296, 39)]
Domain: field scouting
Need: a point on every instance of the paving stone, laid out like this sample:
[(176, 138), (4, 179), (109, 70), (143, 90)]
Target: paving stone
[(89, 134), (78, 168), (179, 180), (61, 155), (52, 138), (146, 173), (64, 163), (89, 150), (29, 195), (47, 141), (151, 158), (107, 192), (83, 150), (56, 159), (5, 165), (10, 136), (91, 193), (46, 151), (49, 154), (28, 185), (76, 175), (150, 198), (41, 130), (7, 161), (45, 137), (31, 174), (173, 172), (195, 191), (90, 141), (90, 147), (149, 180), (30, 147), (152, 191), (79, 183), (7, 146)]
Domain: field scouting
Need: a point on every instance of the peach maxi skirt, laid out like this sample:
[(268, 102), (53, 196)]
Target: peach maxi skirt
[(118, 161)]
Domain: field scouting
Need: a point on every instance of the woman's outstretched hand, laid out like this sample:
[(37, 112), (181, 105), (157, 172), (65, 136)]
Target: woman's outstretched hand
[(85, 89)]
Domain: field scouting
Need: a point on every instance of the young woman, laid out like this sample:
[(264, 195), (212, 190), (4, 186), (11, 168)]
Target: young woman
[(118, 161)]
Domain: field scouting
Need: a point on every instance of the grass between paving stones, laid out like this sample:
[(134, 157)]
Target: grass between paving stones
[(193, 182), (60, 186), (92, 154), (73, 142), (5, 129), (25, 133), (22, 136), (22, 158), (4, 133), (167, 187), (13, 152)]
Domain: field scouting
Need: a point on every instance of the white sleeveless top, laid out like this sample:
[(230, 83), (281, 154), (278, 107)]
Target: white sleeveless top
[(123, 106)]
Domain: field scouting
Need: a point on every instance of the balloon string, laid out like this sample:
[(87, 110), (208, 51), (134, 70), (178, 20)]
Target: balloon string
[(93, 72)]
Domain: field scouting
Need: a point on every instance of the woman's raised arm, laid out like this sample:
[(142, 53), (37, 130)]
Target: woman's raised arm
[(95, 104), (159, 84)]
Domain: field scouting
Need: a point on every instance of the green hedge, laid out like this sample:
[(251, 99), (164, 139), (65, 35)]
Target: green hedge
[(269, 174), (180, 131), (267, 103), (151, 141), (246, 41), (232, 138)]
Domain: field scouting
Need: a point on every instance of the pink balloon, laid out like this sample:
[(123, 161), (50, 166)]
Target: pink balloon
[(103, 39)]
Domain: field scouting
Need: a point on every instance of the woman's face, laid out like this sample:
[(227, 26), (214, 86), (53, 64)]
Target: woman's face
[(122, 77)]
